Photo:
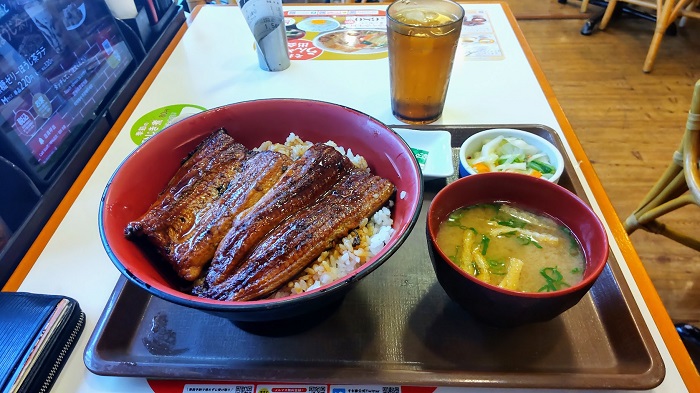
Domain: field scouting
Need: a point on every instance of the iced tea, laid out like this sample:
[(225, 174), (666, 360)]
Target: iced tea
[(423, 37)]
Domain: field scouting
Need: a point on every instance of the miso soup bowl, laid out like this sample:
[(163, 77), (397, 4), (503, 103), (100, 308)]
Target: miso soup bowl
[(502, 307)]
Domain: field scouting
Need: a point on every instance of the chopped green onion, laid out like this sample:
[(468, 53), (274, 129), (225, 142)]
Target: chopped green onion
[(553, 278), (455, 216), (484, 244), (542, 167), (456, 224), (455, 257), (512, 223), (526, 240), (508, 234), (573, 244), (497, 267), (475, 269)]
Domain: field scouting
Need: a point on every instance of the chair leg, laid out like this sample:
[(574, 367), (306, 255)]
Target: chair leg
[(653, 50), (664, 208), (678, 186), (692, 165), (609, 10), (671, 175), (691, 6), (664, 19), (584, 6)]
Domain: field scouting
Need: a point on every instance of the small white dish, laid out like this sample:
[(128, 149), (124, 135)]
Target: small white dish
[(433, 150), (476, 142)]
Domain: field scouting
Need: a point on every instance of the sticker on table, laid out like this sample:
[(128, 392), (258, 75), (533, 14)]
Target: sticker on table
[(291, 388), (170, 386), (372, 389), (294, 34), (303, 50), (154, 121), (217, 387), (478, 40), (318, 24), (336, 34), (365, 22), (352, 41), (476, 22)]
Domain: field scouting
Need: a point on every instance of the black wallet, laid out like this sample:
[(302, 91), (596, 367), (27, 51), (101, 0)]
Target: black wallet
[(37, 334)]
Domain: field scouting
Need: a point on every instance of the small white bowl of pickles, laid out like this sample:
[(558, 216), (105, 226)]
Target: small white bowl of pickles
[(510, 150)]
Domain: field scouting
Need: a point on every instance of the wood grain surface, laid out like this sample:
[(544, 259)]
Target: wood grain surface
[(628, 122)]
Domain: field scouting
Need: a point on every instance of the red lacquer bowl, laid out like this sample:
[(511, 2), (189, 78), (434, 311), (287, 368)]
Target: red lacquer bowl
[(502, 307), (139, 179)]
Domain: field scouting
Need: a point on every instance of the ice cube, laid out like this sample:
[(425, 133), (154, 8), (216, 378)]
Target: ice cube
[(430, 16), (415, 16)]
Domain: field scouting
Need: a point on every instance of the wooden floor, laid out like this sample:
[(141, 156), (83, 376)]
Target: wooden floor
[(628, 122)]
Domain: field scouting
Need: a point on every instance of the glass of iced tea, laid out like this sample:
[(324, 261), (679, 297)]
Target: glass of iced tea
[(423, 37)]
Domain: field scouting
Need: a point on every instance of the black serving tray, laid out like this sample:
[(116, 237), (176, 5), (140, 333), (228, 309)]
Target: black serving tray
[(397, 326)]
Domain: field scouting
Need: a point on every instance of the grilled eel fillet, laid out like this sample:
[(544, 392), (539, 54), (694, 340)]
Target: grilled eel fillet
[(290, 247), (180, 185), (257, 175), (306, 180), (198, 182)]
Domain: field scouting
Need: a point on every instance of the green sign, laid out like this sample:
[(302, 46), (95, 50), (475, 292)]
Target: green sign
[(154, 121)]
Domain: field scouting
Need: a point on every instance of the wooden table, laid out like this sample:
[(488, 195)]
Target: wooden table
[(211, 62)]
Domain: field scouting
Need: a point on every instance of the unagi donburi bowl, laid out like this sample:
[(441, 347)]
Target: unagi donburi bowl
[(502, 307), (144, 174)]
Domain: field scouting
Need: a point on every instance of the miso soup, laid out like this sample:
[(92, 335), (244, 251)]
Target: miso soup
[(513, 248)]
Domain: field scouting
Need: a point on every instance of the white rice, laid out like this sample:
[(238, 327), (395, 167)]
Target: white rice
[(352, 251), (294, 147)]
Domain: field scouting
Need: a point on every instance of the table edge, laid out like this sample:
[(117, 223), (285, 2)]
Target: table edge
[(659, 314)]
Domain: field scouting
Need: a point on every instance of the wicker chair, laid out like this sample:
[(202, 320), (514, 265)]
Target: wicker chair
[(678, 186), (667, 12)]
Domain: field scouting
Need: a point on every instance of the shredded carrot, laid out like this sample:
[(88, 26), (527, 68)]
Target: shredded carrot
[(536, 173), (481, 168)]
